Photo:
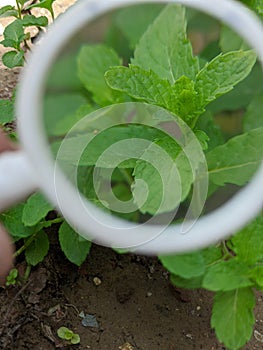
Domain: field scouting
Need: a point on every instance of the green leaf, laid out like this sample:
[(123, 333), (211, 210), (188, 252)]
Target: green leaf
[(210, 256), (255, 5), (248, 243), (12, 221), (64, 333), (230, 40), (75, 339), (188, 283), (35, 209), (165, 49), (93, 62), (22, 2), (38, 249), (64, 107), (233, 317), (7, 113), (31, 20), (8, 11), (242, 94), (186, 265), (220, 75), (180, 98), (256, 274), (168, 175), (13, 59), (103, 141), (144, 14), (254, 115), (206, 123), (14, 31), (140, 84), (227, 275), (46, 4), (75, 249), (63, 75), (237, 160)]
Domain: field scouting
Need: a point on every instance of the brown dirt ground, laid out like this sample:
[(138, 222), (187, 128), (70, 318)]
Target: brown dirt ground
[(135, 305)]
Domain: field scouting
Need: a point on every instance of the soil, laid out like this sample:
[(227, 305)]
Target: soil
[(133, 303)]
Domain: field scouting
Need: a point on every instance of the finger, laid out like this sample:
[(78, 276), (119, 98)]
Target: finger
[(6, 254)]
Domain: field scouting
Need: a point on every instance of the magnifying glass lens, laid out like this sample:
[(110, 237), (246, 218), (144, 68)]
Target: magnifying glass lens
[(153, 113)]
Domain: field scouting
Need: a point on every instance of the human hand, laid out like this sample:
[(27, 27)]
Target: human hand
[(6, 247)]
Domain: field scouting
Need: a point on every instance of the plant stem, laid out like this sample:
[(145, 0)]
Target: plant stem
[(19, 9), (27, 273), (27, 244), (126, 176)]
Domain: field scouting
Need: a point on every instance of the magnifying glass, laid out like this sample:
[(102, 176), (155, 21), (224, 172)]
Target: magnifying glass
[(105, 141)]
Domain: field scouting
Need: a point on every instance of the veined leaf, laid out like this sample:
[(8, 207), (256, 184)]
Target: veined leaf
[(13, 59), (8, 11), (233, 318), (237, 160), (256, 274), (46, 4), (248, 243), (242, 94), (184, 265), (207, 124), (93, 62), (31, 20), (35, 209), (12, 220), (14, 31), (7, 113), (140, 84), (220, 75), (180, 98), (102, 141), (167, 173), (164, 47), (210, 256), (144, 14), (74, 247), (226, 276), (38, 249)]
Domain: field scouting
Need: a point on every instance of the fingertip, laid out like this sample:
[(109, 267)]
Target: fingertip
[(6, 254)]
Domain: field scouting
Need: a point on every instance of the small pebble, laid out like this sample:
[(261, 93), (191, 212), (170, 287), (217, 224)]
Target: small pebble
[(97, 281), (149, 294), (258, 336), (126, 346), (198, 308)]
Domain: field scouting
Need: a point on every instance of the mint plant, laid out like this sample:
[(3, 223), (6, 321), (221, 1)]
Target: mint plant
[(66, 334), (163, 71), (16, 36), (153, 63), (11, 278)]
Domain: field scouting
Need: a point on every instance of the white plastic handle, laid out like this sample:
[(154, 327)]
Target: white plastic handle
[(17, 179)]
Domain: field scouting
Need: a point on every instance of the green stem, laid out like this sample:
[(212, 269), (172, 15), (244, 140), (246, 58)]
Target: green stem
[(27, 273), (126, 176), (27, 244), (52, 14), (227, 253), (19, 9)]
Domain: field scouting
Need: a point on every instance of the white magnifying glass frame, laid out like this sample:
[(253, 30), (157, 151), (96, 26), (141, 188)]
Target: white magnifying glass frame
[(208, 229)]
